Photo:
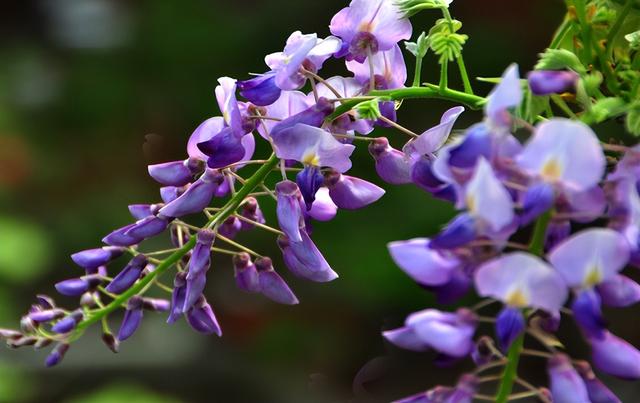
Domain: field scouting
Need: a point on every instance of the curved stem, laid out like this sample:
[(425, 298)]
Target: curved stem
[(254, 181), (613, 33), (561, 33), (465, 77)]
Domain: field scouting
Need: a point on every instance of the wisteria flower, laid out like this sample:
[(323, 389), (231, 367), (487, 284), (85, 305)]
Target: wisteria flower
[(388, 67), (367, 27)]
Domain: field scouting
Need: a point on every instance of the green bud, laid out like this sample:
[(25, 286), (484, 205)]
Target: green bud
[(369, 109), (419, 47)]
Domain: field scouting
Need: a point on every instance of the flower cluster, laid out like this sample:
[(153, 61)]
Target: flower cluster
[(557, 184)]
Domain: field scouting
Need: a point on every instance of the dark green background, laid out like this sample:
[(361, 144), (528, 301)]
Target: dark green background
[(82, 82)]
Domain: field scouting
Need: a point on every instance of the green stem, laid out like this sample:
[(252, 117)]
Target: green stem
[(256, 179), (613, 33), (561, 33), (536, 247), (585, 30), (465, 77), (444, 79), (510, 370), (417, 77), (430, 91)]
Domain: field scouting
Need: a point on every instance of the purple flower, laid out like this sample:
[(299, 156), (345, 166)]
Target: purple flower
[(132, 318), (566, 384), (598, 392), (46, 315), (351, 193), (460, 231), (251, 210), (178, 297), (546, 82), (147, 227), (246, 273), (228, 104), (392, 165), (128, 276), (140, 211), (564, 153), (198, 266), (261, 90), (369, 26), (312, 146), (447, 333), (314, 115), (615, 356), (230, 227), (424, 265), (305, 260), (219, 145), (94, 258), (300, 51), (289, 104), (289, 209), (532, 283), (202, 319), (389, 69), (176, 173), (196, 197), (272, 285)]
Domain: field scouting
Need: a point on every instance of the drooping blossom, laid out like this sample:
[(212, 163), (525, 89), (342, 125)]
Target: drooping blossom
[(448, 333), (546, 82)]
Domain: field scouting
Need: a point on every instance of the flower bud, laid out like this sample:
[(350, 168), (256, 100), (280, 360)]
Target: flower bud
[(176, 173), (272, 285), (289, 209), (56, 355), (202, 319), (546, 82), (392, 165), (510, 324), (351, 193), (566, 385), (128, 276), (132, 318), (68, 323), (246, 273), (615, 356), (93, 258), (178, 296), (196, 197), (46, 315), (598, 392), (111, 342), (230, 227), (22, 341), (77, 286), (156, 304), (251, 210)]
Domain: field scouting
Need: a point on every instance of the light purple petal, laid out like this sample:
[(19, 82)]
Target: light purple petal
[(323, 208), (565, 152), (204, 132), (521, 280), (487, 199), (226, 97), (619, 291), (388, 65), (290, 103), (590, 257), (433, 139), (616, 357), (426, 266), (448, 333), (313, 146), (406, 338), (506, 95)]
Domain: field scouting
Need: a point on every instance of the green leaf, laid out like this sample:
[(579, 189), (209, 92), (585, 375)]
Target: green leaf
[(592, 82), (558, 59), (633, 119), (607, 108), (448, 45)]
